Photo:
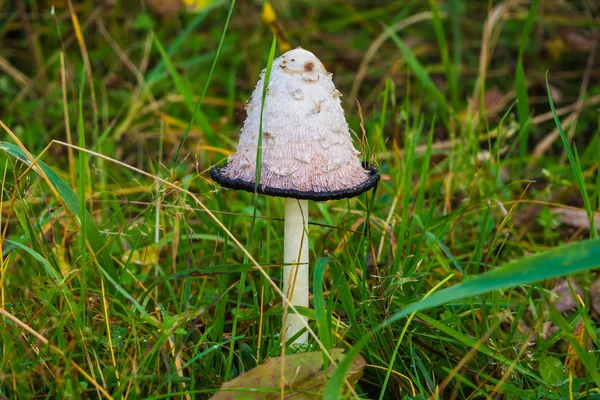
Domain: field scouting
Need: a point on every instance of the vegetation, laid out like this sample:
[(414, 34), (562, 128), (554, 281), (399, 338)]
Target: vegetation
[(127, 273)]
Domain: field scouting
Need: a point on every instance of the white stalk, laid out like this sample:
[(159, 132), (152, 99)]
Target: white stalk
[(295, 256)]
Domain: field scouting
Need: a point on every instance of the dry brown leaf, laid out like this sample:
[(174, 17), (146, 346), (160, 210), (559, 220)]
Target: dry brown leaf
[(576, 218), (165, 8), (303, 375), (565, 301), (494, 100), (595, 296), (573, 363), (577, 41)]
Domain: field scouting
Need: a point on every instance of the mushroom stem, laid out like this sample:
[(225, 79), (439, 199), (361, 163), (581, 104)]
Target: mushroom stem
[(295, 271)]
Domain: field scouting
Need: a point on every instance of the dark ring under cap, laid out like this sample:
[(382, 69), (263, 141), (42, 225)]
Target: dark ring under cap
[(218, 176)]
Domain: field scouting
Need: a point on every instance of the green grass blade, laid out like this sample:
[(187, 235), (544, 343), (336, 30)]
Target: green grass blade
[(564, 260), (71, 201), (184, 89), (52, 273), (521, 82), (179, 41), (419, 71), (255, 201), (443, 45), (319, 304), (457, 38), (262, 109), (82, 172), (574, 161), (196, 109)]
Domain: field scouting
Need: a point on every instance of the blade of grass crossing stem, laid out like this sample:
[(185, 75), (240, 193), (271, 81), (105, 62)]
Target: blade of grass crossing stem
[(344, 293), (321, 314), (82, 175), (443, 44), (564, 260), (262, 109), (184, 89), (521, 83), (255, 200), (419, 71), (71, 202), (574, 161), (196, 109), (368, 249)]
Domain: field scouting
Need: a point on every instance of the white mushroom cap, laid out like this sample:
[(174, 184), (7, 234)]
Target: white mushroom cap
[(307, 148)]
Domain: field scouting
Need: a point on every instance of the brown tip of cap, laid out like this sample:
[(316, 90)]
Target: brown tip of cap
[(218, 175)]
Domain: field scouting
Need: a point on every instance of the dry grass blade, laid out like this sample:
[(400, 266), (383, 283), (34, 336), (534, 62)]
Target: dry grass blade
[(14, 73), (42, 339), (200, 204)]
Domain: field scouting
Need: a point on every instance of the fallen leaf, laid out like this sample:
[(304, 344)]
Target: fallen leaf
[(494, 100), (565, 301), (303, 375), (576, 217), (577, 41), (165, 8), (143, 256)]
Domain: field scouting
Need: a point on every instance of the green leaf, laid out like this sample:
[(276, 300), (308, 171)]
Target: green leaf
[(552, 370), (563, 260), (319, 303), (419, 71), (575, 165)]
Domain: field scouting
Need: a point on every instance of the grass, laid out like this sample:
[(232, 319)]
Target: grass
[(127, 273)]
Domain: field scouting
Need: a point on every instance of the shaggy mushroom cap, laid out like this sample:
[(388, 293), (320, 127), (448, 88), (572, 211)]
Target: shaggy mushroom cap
[(307, 150)]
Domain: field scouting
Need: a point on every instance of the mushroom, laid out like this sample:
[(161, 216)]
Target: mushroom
[(307, 154)]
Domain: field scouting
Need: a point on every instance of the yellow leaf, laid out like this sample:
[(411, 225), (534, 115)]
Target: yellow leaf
[(269, 17), (556, 48), (196, 5), (573, 363), (268, 13), (144, 256), (63, 264)]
